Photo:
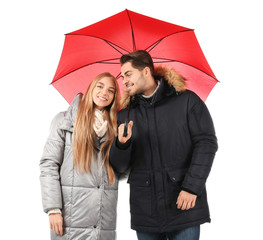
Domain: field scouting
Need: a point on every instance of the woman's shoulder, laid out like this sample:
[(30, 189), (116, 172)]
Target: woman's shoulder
[(57, 120), (72, 110), (76, 100)]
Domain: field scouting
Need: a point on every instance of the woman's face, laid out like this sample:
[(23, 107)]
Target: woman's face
[(103, 93)]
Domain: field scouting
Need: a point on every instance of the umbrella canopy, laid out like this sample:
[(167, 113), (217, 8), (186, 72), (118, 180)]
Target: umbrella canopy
[(97, 48)]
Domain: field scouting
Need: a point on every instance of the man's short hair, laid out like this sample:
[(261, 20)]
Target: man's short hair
[(139, 60)]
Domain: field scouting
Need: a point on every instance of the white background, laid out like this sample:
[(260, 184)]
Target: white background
[(31, 41)]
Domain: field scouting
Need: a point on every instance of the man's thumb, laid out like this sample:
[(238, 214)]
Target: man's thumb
[(131, 124)]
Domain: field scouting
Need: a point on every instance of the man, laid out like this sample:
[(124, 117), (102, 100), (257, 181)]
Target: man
[(169, 149)]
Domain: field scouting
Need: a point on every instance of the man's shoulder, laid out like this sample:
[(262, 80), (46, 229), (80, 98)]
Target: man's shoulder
[(188, 94), (180, 95)]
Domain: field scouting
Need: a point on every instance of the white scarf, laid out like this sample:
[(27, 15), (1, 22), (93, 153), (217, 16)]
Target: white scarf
[(100, 125)]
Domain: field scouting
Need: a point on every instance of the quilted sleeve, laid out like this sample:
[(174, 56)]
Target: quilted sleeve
[(50, 163), (205, 145)]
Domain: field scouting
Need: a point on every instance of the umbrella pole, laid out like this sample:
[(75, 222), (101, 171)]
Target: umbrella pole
[(125, 132)]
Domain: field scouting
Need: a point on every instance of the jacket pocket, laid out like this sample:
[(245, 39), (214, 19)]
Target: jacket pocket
[(173, 186), (176, 176), (173, 189), (140, 193)]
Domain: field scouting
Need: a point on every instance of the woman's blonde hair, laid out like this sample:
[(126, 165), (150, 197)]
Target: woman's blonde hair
[(83, 145)]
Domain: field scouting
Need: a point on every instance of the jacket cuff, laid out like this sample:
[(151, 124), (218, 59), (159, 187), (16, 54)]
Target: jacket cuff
[(57, 210), (187, 190), (123, 146)]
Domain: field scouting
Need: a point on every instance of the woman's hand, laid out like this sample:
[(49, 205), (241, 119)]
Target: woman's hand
[(121, 138), (56, 223)]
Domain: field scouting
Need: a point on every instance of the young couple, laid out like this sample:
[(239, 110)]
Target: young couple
[(169, 150)]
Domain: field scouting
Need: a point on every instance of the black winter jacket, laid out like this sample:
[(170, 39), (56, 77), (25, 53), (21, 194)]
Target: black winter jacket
[(172, 148)]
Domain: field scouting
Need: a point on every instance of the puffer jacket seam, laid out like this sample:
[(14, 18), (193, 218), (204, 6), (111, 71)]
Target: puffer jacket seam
[(101, 192), (71, 197), (87, 187), (55, 140)]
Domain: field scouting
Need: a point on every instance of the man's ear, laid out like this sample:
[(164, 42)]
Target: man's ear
[(147, 71)]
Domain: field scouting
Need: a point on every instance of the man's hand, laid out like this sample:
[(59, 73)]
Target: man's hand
[(56, 223), (186, 200), (121, 131)]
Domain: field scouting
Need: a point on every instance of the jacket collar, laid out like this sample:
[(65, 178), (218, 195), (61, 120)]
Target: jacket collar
[(161, 91), (71, 114), (171, 82), (70, 118)]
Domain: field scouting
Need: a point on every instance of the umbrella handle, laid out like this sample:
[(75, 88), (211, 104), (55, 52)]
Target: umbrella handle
[(125, 129), (125, 132)]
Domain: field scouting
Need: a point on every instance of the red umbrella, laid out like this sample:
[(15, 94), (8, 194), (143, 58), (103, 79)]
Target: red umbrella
[(97, 48)]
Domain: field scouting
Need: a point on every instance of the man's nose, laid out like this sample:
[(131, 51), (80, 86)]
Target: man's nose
[(124, 81)]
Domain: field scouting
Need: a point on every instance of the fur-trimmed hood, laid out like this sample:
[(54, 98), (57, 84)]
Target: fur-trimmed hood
[(71, 114), (173, 79)]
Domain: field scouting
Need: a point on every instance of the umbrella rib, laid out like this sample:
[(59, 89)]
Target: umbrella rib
[(170, 60), (151, 47), (108, 42), (133, 38), (111, 44), (118, 76), (103, 62), (154, 45)]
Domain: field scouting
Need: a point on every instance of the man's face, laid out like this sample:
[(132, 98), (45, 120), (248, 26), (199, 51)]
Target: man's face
[(133, 79)]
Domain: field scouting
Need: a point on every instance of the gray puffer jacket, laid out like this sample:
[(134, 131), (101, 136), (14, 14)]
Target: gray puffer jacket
[(87, 201)]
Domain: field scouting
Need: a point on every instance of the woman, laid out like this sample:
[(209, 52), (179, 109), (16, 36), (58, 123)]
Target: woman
[(79, 187)]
